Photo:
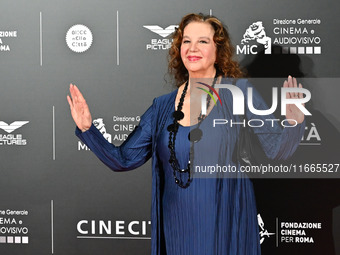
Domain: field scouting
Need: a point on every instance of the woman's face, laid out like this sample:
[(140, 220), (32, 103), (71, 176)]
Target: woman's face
[(198, 50)]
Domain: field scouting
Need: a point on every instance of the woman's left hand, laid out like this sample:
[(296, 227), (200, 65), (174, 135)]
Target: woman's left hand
[(292, 111)]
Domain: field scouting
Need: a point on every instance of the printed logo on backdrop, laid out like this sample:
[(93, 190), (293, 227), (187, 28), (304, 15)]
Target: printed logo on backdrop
[(121, 128), (121, 229), (292, 232), (12, 139), (295, 36), (160, 43), (4, 42), (288, 232), (311, 135), (99, 124), (264, 234), (79, 38), (12, 227), (256, 32)]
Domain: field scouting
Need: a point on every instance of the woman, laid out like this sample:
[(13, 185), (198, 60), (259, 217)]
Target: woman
[(192, 216)]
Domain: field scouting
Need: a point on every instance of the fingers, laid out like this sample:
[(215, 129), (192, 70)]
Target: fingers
[(73, 92), (300, 94), (292, 83), (76, 96), (69, 100), (77, 93), (285, 85)]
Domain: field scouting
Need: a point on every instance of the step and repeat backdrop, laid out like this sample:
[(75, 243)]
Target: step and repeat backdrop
[(56, 197)]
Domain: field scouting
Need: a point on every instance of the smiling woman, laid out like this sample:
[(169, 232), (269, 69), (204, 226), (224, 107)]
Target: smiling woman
[(224, 63), (208, 216), (198, 50)]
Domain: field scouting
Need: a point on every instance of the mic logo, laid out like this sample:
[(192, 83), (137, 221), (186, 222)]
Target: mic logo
[(255, 32), (99, 124)]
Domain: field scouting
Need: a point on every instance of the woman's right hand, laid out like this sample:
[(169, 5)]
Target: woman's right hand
[(79, 109)]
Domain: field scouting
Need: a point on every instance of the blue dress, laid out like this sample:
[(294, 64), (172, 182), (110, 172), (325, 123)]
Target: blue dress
[(213, 216)]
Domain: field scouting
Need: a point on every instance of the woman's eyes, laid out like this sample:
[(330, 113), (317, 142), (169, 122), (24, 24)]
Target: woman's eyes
[(201, 41)]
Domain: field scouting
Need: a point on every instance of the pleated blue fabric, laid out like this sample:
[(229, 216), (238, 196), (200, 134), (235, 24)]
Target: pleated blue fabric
[(213, 216)]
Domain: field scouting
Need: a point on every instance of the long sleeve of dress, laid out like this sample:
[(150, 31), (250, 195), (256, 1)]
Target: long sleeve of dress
[(278, 142), (134, 152), (289, 141)]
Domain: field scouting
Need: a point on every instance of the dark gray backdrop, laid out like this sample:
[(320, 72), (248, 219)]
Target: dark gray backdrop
[(60, 185)]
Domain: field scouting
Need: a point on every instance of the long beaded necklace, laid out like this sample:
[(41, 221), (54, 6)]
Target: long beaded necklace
[(195, 135)]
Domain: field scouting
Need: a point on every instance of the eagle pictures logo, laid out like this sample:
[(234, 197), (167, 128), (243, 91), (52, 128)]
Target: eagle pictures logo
[(11, 139), (9, 128), (161, 43), (162, 32)]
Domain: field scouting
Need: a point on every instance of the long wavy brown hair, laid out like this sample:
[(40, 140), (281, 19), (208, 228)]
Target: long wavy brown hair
[(225, 65)]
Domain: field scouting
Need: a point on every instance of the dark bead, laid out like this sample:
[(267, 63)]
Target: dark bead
[(176, 181), (184, 170), (195, 135), (178, 115), (172, 128)]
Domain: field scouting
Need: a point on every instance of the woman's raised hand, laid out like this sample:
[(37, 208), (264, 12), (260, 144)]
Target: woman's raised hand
[(79, 109), (292, 111)]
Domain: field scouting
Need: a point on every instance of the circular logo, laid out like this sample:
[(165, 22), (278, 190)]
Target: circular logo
[(79, 38)]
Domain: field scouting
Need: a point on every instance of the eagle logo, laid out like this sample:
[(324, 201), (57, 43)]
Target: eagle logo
[(10, 128), (160, 31)]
